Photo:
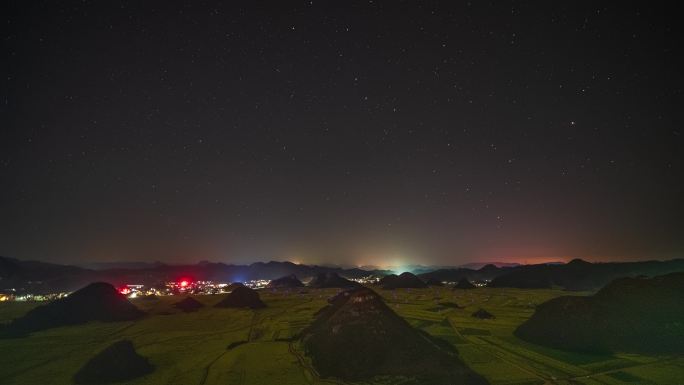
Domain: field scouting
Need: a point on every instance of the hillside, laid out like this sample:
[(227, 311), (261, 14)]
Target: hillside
[(286, 282), (358, 337), (581, 275), (39, 277), (486, 272), (117, 363), (188, 305), (95, 302), (263, 347), (629, 314), (331, 280), (434, 282), (401, 281), (242, 297), (464, 284)]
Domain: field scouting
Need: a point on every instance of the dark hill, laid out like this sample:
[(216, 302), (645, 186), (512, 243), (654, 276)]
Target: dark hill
[(118, 362), (95, 302), (434, 282), (488, 268), (188, 304), (487, 272), (480, 265), (286, 282), (242, 297), (234, 286), (526, 277), (629, 314), (328, 280), (37, 277), (483, 314), (358, 337), (582, 275), (464, 284), (404, 280)]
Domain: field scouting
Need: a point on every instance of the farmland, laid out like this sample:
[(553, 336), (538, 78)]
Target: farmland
[(229, 346)]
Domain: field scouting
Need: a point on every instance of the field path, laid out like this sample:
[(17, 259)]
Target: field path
[(502, 358), (208, 368), (658, 362), (305, 366), (257, 318)]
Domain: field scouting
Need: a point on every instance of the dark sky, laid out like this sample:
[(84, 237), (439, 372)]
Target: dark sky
[(363, 132)]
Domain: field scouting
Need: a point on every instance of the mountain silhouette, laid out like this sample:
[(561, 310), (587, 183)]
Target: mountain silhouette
[(39, 278), (286, 282), (629, 314), (581, 275), (188, 304), (486, 272), (464, 284), (402, 281), (330, 280), (118, 362), (96, 302), (357, 336), (483, 314), (242, 297), (234, 286), (434, 282)]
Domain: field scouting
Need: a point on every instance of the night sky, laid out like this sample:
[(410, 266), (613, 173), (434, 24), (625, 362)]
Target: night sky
[(358, 133)]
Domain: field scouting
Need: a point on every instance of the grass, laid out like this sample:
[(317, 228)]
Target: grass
[(229, 346)]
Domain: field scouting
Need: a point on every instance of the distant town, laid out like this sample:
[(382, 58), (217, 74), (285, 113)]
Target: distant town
[(181, 287)]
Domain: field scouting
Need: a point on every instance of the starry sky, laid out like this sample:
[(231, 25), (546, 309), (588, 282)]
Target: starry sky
[(341, 132)]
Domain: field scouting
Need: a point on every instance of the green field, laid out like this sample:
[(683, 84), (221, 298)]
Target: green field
[(228, 346)]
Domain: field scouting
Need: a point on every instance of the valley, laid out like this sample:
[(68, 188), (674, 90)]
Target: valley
[(243, 346)]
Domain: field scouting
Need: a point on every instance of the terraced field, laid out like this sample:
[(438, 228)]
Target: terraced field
[(228, 346), (489, 347)]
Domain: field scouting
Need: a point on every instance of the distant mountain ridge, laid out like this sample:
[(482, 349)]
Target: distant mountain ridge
[(121, 265), (40, 277), (582, 275), (575, 275), (487, 272), (479, 265)]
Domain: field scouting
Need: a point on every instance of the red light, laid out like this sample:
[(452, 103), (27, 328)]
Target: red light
[(124, 290), (184, 283)]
